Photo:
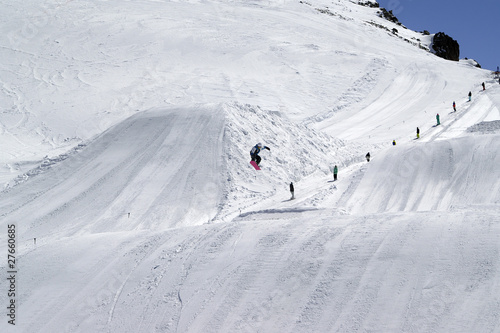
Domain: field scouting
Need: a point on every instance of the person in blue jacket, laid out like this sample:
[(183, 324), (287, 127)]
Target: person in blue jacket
[(254, 153)]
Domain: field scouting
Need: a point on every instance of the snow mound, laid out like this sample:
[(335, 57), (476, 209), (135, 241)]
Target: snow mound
[(440, 175), (157, 169)]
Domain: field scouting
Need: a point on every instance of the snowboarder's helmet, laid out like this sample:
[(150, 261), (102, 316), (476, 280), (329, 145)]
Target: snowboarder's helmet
[(259, 145)]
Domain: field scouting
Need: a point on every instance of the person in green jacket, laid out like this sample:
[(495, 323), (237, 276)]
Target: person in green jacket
[(335, 171), (437, 118)]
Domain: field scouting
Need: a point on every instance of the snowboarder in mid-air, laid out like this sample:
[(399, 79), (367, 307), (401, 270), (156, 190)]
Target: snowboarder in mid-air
[(254, 153)]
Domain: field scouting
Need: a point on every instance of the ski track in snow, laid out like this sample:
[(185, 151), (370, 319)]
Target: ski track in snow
[(126, 157)]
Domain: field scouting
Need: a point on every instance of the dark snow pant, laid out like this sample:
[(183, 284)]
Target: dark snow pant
[(256, 158), (334, 176)]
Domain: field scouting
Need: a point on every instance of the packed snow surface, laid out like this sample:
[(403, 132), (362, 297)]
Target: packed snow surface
[(125, 130)]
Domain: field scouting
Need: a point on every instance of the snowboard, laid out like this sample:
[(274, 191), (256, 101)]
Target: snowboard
[(254, 164)]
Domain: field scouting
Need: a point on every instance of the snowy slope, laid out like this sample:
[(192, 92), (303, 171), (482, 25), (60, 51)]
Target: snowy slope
[(126, 129), (285, 272), (444, 175), (145, 166), (73, 69)]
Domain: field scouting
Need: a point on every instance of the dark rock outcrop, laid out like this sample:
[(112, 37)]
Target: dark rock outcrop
[(369, 3), (445, 47), (388, 15)]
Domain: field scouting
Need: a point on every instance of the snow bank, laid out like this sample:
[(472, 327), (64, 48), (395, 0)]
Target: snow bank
[(440, 175)]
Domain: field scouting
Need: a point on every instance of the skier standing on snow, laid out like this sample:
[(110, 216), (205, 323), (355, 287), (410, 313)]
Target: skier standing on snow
[(470, 96), (393, 142), (292, 191), (484, 87), (418, 133), (335, 171), (454, 107), (368, 157), (437, 118), (254, 153)]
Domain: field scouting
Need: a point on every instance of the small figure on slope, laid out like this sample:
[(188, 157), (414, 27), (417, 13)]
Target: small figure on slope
[(454, 107), (484, 87), (335, 172), (418, 133), (254, 153), (368, 157), (393, 142), (470, 96), (292, 191), (437, 119)]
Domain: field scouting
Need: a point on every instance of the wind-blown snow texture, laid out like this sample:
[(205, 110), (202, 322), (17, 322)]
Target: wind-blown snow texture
[(125, 132)]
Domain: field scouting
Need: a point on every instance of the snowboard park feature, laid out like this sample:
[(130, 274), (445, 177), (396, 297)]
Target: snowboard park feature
[(124, 170)]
